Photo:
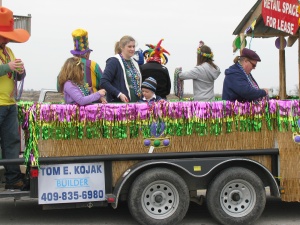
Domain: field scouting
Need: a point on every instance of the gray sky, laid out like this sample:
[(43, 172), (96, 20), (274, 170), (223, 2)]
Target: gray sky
[(182, 24)]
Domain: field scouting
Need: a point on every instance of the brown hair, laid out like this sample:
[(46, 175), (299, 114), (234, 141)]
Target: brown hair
[(121, 44), (202, 59), (71, 70)]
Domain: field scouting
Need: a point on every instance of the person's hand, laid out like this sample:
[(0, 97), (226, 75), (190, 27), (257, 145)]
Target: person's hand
[(17, 66), (103, 100), (178, 69), (266, 90), (102, 92), (123, 98)]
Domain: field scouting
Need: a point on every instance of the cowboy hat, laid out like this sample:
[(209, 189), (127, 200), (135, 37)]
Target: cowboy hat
[(7, 27)]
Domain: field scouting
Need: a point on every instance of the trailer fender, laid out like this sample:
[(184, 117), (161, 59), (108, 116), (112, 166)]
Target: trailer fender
[(138, 168), (210, 167)]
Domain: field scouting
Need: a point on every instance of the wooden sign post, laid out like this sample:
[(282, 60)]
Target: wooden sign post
[(281, 15)]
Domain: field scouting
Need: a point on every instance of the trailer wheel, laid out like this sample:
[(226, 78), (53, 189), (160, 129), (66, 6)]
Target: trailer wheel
[(236, 196), (158, 197)]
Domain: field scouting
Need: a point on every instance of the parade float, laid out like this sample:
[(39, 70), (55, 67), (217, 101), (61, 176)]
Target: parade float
[(58, 130), (158, 156)]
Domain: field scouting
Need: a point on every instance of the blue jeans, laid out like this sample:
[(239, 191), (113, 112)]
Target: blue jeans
[(10, 141)]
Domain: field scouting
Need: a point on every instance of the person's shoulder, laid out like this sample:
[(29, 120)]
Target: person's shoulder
[(112, 59), (234, 66), (8, 49), (164, 68), (68, 84), (211, 68), (158, 98), (151, 64), (205, 65), (93, 62), (154, 65), (233, 69)]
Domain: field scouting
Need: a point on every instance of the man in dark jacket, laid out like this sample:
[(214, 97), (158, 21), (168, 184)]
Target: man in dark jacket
[(239, 83), (154, 68)]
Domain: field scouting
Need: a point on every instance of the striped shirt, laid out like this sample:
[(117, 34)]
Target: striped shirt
[(92, 74)]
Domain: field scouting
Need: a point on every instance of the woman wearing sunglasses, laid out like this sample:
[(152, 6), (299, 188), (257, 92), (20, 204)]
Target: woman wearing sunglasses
[(239, 83)]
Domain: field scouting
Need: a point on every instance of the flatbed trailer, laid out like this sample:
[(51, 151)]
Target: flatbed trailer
[(177, 174)]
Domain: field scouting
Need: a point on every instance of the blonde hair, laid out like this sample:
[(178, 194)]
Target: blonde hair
[(71, 70), (121, 44), (239, 59)]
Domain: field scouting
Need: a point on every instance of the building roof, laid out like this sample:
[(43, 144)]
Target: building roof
[(260, 30)]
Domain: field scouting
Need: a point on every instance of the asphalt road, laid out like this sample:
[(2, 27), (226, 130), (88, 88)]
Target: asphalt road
[(27, 211)]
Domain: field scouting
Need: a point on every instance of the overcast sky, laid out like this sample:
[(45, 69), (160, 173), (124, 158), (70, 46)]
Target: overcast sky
[(182, 24)]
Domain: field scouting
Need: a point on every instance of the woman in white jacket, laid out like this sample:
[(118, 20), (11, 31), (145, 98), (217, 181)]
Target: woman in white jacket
[(203, 74)]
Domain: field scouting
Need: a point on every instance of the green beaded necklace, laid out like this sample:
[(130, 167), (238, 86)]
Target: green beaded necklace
[(84, 90)]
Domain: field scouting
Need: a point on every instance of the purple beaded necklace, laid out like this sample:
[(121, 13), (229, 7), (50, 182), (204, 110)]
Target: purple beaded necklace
[(249, 78)]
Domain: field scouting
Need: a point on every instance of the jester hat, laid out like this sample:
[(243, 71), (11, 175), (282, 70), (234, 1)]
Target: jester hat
[(81, 42), (156, 53)]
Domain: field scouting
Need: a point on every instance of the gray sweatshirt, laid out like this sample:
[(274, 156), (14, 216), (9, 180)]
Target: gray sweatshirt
[(203, 77)]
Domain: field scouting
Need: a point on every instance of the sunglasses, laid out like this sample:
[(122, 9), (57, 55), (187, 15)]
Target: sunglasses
[(253, 65)]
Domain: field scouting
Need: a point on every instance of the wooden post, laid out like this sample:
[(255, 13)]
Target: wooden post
[(282, 76), (242, 38), (299, 64)]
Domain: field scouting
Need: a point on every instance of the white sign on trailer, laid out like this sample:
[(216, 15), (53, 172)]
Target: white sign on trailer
[(65, 183)]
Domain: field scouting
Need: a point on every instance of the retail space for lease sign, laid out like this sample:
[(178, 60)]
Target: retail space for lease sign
[(281, 15)]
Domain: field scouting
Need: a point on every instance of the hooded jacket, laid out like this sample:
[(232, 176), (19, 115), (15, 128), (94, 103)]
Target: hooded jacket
[(237, 87), (114, 79), (203, 77)]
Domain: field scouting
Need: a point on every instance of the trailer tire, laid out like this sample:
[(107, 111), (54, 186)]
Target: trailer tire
[(236, 196), (158, 197)]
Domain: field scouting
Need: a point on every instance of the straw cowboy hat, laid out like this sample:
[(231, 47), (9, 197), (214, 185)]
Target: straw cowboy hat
[(7, 27)]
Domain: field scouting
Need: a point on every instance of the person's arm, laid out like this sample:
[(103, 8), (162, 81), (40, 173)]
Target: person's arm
[(4, 69), (241, 86), (57, 84), (97, 85), (168, 82), (192, 74), (98, 74), (75, 93), (109, 75), (17, 66)]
